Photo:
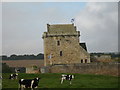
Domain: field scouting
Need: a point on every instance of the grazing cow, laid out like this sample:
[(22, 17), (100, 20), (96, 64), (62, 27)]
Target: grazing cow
[(67, 77), (13, 76), (17, 70), (29, 83)]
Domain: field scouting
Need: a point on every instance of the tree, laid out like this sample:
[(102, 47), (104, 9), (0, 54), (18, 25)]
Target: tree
[(40, 56), (13, 57)]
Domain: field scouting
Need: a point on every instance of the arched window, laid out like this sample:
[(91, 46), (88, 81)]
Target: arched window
[(60, 53)]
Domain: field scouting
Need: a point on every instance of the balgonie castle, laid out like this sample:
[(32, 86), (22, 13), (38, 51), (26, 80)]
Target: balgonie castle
[(62, 45)]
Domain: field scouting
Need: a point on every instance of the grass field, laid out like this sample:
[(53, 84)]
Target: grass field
[(52, 80)]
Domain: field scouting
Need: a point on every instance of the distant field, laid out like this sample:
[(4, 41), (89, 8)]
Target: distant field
[(23, 63), (52, 80)]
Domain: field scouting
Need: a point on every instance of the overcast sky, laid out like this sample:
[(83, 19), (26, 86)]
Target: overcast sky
[(24, 23)]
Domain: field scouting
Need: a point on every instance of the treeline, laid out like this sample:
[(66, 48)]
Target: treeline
[(113, 55), (22, 57)]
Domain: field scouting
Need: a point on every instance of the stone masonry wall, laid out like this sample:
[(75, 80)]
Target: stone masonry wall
[(93, 68)]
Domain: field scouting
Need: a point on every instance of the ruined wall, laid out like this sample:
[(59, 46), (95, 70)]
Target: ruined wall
[(32, 70), (61, 46), (104, 58)]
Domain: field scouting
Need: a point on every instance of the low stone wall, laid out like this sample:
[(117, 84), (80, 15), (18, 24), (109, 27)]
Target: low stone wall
[(93, 68)]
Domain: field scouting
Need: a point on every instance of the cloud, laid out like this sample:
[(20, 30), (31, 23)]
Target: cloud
[(98, 23), (24, 23)]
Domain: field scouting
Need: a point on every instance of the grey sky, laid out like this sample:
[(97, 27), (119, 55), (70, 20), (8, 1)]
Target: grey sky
[(24, 23), (98, 23)]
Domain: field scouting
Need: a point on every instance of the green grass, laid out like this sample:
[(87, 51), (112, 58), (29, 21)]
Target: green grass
[(52, 80)]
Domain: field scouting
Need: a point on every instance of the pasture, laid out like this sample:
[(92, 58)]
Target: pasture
[(52, 80)]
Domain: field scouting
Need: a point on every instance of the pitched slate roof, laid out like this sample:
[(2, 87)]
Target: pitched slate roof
[(83, 45)]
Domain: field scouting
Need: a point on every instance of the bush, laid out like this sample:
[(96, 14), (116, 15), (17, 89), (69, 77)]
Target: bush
[(6, 68)]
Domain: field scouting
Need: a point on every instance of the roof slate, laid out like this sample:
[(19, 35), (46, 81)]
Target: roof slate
[(83, 45)]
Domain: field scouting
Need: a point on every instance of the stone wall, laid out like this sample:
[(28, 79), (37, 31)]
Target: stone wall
[(104, 58), (32, 70), (93, 68)]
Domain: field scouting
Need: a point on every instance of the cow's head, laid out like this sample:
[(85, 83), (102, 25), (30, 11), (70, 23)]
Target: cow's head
[(73, 76), (11, 75), (63, 75), (37, 79)]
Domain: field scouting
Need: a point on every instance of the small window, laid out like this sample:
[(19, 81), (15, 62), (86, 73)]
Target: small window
[(60, 53), (85, 60), (81, 60), (58, 43)]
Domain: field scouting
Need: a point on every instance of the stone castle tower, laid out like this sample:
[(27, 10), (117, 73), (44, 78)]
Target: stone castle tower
[(62, 45)]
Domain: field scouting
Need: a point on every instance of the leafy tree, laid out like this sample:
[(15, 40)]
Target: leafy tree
[(13, 57), (40, 56)]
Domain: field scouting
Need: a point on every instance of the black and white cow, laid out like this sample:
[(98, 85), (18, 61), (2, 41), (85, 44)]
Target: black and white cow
[(67, 77), (17, 70), (29, 83), (13, 76)]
